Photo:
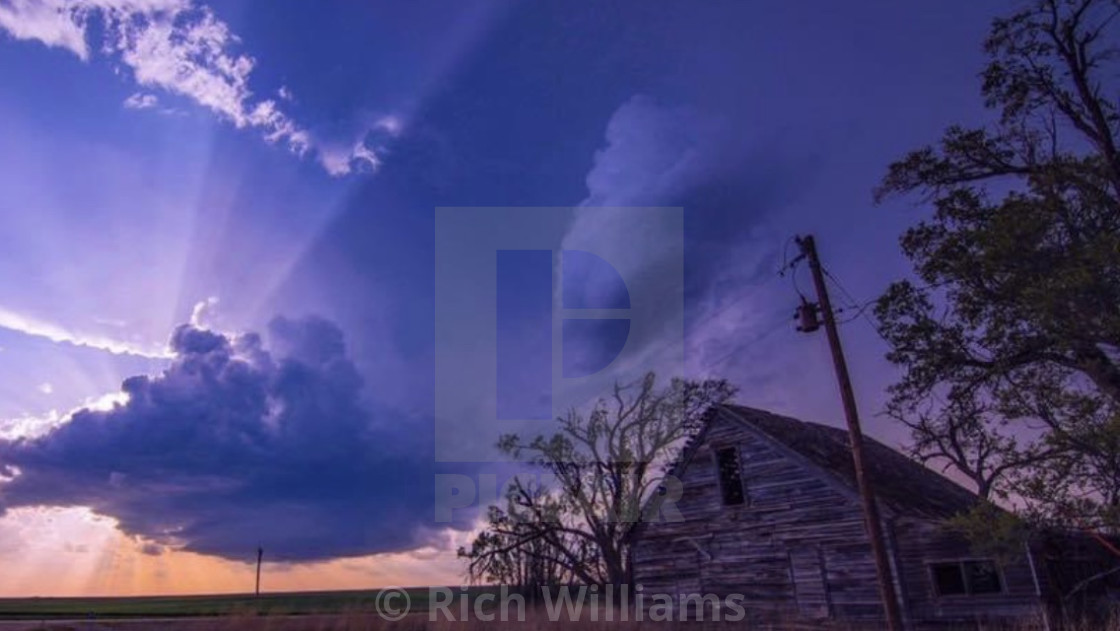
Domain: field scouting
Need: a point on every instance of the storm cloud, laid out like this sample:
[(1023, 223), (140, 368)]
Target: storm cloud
[(238, 444)]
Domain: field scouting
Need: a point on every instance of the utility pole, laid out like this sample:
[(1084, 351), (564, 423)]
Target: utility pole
[(870, 510), (260, 554)]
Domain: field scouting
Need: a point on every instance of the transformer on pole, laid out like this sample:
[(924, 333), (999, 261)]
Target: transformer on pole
[(807, 314)]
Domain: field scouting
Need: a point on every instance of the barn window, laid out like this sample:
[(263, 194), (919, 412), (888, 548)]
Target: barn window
[(966, 577), (949, 579), (982, 577), (730, 476)]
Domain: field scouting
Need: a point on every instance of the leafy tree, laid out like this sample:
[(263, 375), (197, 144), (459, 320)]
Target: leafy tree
[(1010, 344), (993, 532), (600, 468)]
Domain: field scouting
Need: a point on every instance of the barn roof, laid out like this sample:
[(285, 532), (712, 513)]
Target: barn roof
[(903, 485)]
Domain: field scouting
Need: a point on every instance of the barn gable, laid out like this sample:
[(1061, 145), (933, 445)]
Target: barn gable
[(769, 509), (902, 486), (795, 545)]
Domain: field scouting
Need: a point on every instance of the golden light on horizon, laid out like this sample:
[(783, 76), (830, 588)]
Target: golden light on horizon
[(56, 552)]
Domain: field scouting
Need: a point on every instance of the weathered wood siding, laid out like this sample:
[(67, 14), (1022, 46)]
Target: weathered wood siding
[(918, 543), (797, 547)]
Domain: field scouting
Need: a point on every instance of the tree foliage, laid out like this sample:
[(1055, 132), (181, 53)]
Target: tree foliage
[(601, 467), (1010, 342)]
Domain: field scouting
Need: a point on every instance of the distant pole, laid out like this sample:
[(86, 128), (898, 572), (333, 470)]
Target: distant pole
[(870, 510), (260, 554)]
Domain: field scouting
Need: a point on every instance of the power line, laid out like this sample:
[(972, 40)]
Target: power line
[(838, 284), (861, 308), (791, 266)]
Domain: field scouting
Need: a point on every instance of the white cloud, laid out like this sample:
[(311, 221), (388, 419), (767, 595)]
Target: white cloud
[(652, 153), (55, 333), (56, 23), (29, 426), (369, 147), (141, 101), (391, 125), (182, 48), (203, 312), (339, 161), (335, 160), (188, 51)]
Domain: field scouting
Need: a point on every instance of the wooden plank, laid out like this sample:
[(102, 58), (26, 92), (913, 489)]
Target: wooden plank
[(798, 545)]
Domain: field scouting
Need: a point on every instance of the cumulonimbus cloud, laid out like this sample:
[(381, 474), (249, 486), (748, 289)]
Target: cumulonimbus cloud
[(237, 445), (725, 175)]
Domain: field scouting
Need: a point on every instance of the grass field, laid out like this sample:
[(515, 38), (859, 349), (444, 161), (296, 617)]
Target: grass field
[(330, 611), (209, 605)]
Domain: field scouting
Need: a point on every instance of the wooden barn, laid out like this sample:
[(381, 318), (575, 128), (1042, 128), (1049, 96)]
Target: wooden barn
[(770, 511)]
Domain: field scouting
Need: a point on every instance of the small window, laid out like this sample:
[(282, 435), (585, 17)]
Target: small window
[(982, 577), (730, 476), (949, 579), (966, 577)]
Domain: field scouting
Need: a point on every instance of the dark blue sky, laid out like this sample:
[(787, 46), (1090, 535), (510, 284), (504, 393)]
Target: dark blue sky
[(170, 161)]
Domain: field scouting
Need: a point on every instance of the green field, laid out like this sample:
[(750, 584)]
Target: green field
[(209, 605)]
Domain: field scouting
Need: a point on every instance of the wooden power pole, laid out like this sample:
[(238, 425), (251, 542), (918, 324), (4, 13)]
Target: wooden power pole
[(260, 554), (870, 509)]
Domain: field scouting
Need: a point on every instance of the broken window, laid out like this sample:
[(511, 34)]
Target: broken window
[(982, 577), (730, 476), (949, 579), (966, 577)]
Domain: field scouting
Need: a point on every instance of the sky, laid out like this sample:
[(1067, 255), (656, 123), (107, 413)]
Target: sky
[(220, 303)]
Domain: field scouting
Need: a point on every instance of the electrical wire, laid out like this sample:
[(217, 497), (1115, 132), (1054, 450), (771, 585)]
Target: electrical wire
[(840, 286), (860, 308), (791, 265)]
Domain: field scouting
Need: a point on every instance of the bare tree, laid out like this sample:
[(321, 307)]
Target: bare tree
[(513, 550), (601, 467)]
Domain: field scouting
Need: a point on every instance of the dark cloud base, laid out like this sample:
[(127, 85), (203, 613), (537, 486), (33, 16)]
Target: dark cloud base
[(237, 445)]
